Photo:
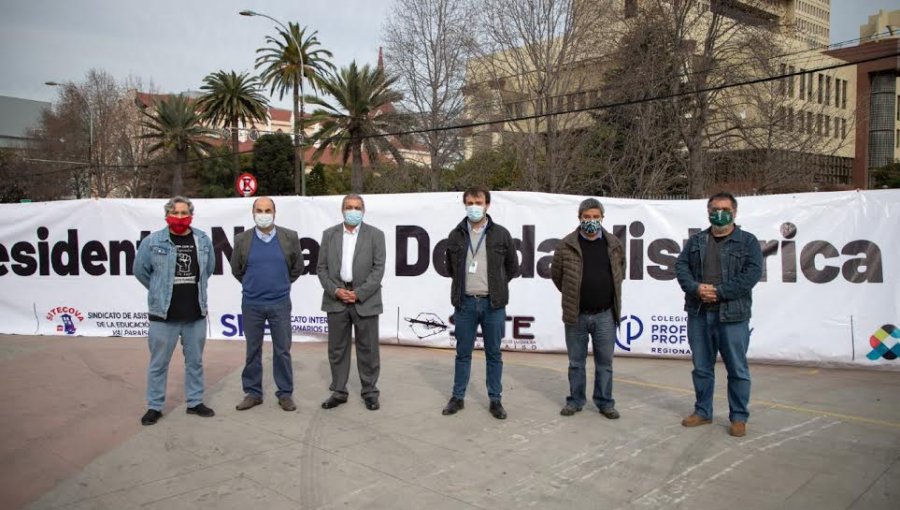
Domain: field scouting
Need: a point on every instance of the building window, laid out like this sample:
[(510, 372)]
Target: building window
[(809, 87), (837, 93), (809, 122), (820, 88), (827, 126), (837, 127), (828, 90), (791, 88), (844, 94), (898, 107), (819, 124), (630, 8), (790, 119), (844, 128), (782, 85), (803, 84)]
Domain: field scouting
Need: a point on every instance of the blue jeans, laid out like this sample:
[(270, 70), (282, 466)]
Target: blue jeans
[(279, 317), (163, 337), (602, 330), (472, 312), (707, 337)]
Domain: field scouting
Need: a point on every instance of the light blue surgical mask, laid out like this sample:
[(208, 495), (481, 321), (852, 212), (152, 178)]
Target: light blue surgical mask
[(474, 213), (353, 217)]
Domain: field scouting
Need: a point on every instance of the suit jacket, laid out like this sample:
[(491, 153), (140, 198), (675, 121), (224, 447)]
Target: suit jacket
[(368, 268), (290, 246)]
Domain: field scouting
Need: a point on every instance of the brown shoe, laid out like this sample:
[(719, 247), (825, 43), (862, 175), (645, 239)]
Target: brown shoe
[(695, 421), (738, 429), (248, 402), (287, 403)]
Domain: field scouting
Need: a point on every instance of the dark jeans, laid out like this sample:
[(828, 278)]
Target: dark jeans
[(279, 317), (708, 337), (472, 312), (601, 328)]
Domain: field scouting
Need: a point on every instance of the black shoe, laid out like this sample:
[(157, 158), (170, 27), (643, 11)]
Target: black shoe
[(372, 403), (201, 410), (150, 417), (497, 410), (455, 404), (610, 412), (333, 402), (569, 410)]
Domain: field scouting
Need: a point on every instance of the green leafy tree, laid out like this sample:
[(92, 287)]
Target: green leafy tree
[(360, 117), (316, 183), (273, 164), (285, 67), (174, 126), (494, 169), (232, 99), (216, 174), (887, 176)]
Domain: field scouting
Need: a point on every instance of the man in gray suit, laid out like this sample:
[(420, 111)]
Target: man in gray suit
[(266, 271), (350, 268)]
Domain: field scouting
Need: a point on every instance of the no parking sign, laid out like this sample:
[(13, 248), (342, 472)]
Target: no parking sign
[(245, 185)]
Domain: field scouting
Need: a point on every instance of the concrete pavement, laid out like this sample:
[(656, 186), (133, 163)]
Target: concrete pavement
[(71, 438)]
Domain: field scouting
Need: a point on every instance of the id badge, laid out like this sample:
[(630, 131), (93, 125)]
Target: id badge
[(473, 267)]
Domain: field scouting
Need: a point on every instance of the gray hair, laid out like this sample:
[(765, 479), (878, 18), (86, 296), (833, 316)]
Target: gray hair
[(353, 196), (590, 203), (178, 199)]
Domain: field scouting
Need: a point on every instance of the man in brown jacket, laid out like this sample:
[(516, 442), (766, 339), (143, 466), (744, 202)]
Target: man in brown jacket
[(588, 268)]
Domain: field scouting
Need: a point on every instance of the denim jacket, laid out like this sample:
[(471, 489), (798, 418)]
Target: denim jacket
[(741, 270), (154, 267)]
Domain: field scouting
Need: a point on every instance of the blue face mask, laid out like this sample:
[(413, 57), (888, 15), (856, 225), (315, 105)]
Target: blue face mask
[(353, 217), (474, 213), (590, 227)]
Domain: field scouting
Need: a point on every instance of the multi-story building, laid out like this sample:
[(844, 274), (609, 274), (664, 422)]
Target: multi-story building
[(808, 121), (877, 78)]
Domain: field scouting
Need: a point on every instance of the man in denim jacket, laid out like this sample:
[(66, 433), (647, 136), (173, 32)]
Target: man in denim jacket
[(717, 271), (175, 264)]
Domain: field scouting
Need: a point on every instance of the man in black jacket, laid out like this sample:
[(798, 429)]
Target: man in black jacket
[(481, 260)]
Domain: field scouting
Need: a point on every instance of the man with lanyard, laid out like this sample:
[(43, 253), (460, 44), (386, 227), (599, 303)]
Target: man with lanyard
[(717, 271), (350, 268), (175, 264), (481, 260), (267, 260)]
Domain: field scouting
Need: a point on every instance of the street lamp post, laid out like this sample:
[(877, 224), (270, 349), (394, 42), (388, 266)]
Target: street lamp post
[(299, 134), (87, 106)]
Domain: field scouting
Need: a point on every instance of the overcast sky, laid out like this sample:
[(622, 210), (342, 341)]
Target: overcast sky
[(175, 43)]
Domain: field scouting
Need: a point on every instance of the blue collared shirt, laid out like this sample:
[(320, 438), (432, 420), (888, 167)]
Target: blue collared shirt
[(264, 237)]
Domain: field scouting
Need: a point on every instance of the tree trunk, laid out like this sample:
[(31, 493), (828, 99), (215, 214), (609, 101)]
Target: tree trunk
[(235, 144), (178, 175), (356, 174), (298, 154)]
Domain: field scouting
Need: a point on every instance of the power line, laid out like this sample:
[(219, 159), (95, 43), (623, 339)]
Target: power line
[(598, 107)]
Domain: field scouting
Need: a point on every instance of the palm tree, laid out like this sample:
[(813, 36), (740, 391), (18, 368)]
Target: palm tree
[(285, 67), (174, 125), (232, 99), (363, 115)]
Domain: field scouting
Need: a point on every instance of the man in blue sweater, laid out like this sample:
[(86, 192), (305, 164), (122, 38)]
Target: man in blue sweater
[(266, 270)]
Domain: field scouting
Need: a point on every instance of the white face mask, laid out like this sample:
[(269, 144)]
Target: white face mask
[(264, 220)]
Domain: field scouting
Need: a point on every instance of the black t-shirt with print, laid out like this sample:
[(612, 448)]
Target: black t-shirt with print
[(185, 304)]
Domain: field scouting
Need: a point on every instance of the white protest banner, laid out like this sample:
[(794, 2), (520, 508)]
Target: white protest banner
[(829, 293)]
